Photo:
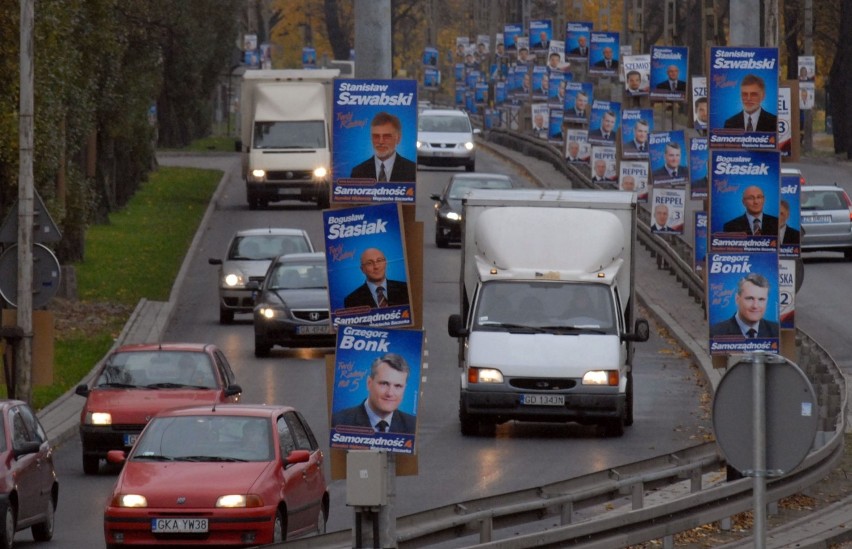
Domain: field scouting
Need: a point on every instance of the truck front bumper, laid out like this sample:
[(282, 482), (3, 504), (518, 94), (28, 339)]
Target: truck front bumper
[(274, 191), (505, 406)]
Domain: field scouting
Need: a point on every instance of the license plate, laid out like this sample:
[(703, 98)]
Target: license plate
[(179, 525), (289, 191), (543, 400), (816, 219), (441, 153), (130, 440), (314, 330)]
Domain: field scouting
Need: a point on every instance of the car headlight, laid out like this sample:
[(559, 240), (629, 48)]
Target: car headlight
[(469, 145), (258, 174), (454, 216), (129, 500), (601, 377), (270, 313), (484, 375), (234, 280), (419, 143), (98, 418), (239, 500), (320, 172)]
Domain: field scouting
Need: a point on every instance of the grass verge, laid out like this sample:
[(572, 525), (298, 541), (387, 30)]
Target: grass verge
[(137, 254)]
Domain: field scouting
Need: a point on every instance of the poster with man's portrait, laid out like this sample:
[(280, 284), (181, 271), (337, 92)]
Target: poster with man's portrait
[(367, 266), (577, 148), (698, 159), (541, 33), (604, 123), (668, 210), (699, 246), (669, 159), (511, 31), (578, 37), (604, 54), (578, 102), (789, 217), (807, 68), (636, 127), (633, 177), (376, 389), (669, 70), (700, 104), (636, 74)]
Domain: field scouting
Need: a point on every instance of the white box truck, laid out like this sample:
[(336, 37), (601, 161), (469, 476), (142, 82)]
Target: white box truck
[(285, 135), (547, 315)]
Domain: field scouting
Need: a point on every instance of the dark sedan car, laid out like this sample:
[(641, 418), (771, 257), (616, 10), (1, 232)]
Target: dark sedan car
[(29, 490), (448, 203), (292, 307)]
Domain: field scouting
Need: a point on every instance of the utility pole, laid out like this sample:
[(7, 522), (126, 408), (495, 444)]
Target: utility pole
[(373, 39), (808, 143), (24, 357)]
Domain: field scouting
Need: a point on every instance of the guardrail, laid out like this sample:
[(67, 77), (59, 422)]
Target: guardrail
[(638, 502)]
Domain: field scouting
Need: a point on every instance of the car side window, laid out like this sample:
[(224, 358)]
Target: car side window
[(285, 437), (35, 429), (19, 428), (300, 436), (224, 368)]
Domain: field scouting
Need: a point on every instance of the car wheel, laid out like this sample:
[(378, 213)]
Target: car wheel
[(91, 464), (321, 521), (279, 529), (261, 347), (44, 530), (470, 166), (225, 316), (7, 533)]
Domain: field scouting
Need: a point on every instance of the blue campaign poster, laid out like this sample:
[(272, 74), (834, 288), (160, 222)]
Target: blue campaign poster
[(789, 217), (578, 36), (367, 267), (699, 256), (698, 159), (669, 159), (604, 54), (669, 70), (376, 389), (636, 125)]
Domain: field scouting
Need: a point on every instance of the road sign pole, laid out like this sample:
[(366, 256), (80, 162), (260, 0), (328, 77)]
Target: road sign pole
[(759, 473)]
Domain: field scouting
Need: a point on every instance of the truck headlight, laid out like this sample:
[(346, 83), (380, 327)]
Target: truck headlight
[(320, 172), (469, 145), (601, 377), (484, 375), (258, 174)]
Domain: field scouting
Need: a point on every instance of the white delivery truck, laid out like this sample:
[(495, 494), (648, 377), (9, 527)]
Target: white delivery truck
[(285, 135), (547, 308)]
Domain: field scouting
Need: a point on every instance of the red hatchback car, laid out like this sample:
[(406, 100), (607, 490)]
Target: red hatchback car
[(29, 490), (136, 382), (234, 474)]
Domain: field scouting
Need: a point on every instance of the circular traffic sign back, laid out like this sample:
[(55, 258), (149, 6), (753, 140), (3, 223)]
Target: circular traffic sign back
[(46, 275)]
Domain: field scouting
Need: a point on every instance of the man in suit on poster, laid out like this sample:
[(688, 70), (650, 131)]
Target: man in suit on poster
[(748, 322), (386, 164), (377, 291), (754, 221), (753, 117)]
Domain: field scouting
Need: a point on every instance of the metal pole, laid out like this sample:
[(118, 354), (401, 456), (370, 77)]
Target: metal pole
[(759, 427), (23, 377), (373, 39), (387, 513)]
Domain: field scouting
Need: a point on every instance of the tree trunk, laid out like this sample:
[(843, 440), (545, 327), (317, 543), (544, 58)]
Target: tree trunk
[(840, 85)]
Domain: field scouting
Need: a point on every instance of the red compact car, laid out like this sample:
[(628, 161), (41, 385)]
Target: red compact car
[(233, 474), (29, 490), (135, 382)]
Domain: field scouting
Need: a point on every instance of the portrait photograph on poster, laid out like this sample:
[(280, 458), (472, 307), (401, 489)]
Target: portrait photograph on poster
[(669, 69), (698, 160), (744, 201), (743, 94), (374, 151), (603, 124), (367, 266), (669, 158), (668, 207), (604, 54), (578, 36), (636, 126), (636, 74), (577, 148), (742, 306), (578, 102), (376, 389), (633, 177)]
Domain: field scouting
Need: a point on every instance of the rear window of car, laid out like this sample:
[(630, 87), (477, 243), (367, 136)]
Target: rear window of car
[(267, 246), (824, 200)]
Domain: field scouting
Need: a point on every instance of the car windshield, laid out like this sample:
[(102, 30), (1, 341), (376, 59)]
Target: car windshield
[(824, 200), (289, 276), (158, 370), (308, 134), (205, 438), (461, 186), (451, 124), (545, 307), (266, 246)]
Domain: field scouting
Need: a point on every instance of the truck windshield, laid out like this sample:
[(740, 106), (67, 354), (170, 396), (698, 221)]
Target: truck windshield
[(556, 307), (305, 134)]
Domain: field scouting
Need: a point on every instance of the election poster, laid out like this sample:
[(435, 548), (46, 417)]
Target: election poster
[(480, 95), (669, 69), (431, 78), (499, 93), (540, 83), (742, 299), (699, 247), (523, 55), (603, 125), (743, 92), (604, 165), (785, 121), (522, 82), (462, 48), (483, 47), (668, 209), (604, 54), (633, 177), (374, 132), (744, 201), (556, 91), (669, 164), (376, 389), (460, 92), (367, 266), (578, 103), (541, 32), (556, 57), (577, 148), (787, 293), (578, 36), (636, 70), (554, 126), (510, 33), (698, 160), (430, 56), (700, 108), (807, 68), (636, 127), (789, 217), (540, 119), (309, 58), (806, 95)]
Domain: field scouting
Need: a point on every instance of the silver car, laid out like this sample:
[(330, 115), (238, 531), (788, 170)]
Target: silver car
[(826, 219), (445, 138), (292, 309), (249, 254)]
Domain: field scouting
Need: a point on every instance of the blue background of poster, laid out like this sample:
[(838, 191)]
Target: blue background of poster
[(510, 32), (408, 343), (660, 65), (724, 85), (726, 190), (343, 255), (658, 151), (351, 130), (699, 255), (573, 31), (722, 287), (599, 108), (698, 159)]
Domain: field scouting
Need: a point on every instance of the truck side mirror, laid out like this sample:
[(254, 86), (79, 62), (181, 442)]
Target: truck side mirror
[(641, 332), (238, 145), (455, 326)]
